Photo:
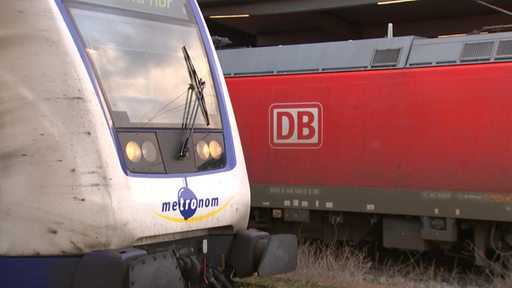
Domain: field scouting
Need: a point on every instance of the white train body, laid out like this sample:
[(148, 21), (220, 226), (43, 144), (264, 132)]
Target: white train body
[(68, 186)]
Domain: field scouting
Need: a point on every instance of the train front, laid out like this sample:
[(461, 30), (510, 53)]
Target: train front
[(121, 159)]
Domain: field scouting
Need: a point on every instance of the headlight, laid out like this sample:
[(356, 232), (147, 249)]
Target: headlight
[(203, 150), (209, 151), (133, 152), (149, 151), (215, 149), (141, 152)]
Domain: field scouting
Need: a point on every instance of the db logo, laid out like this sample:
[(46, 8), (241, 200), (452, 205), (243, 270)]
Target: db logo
[(296, 125)]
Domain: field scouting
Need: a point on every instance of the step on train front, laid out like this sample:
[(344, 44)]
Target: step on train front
[(120, 158)]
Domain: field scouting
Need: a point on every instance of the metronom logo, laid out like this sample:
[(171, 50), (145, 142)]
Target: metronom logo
[(188, 204)]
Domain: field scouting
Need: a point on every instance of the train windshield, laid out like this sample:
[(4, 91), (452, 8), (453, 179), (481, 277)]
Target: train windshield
[(136, 48)]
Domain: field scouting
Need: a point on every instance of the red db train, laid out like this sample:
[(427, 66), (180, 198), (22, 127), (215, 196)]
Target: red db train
[(404, 140)]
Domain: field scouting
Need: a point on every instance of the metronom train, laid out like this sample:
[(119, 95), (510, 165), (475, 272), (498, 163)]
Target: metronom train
[(120, 159)]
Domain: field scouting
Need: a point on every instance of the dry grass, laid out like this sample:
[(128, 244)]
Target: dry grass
[(331, 266)]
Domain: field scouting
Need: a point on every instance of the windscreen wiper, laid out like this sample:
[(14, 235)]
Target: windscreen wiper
[(194, 101)]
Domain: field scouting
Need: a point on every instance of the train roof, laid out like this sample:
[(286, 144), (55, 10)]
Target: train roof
[(367, 54)]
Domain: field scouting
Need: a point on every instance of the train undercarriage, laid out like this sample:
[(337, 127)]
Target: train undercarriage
[(483, 242)]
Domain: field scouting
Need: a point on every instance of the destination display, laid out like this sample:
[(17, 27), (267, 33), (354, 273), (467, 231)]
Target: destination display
[(171, 8)]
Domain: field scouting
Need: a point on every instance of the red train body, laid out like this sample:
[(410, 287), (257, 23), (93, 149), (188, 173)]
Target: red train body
[(420, 157), (443, 128)]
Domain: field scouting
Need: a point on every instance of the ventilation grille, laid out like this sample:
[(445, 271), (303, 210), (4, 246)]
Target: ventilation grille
[(504, 48), (479, 51), (386, 58)]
